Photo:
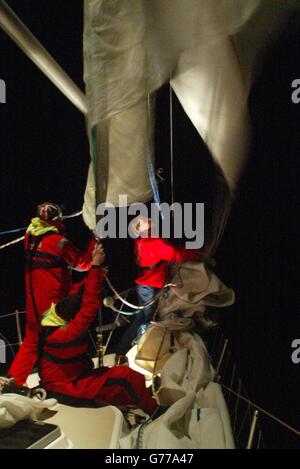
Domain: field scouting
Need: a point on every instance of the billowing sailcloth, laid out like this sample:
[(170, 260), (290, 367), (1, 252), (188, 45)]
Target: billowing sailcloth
[(208, 51)]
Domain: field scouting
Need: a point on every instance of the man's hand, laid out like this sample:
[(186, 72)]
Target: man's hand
[(98, 256)]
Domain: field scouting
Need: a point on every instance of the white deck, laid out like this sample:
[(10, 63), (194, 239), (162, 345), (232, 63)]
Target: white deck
[(85, 428)]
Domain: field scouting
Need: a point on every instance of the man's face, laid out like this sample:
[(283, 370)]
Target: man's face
[(144, 225)]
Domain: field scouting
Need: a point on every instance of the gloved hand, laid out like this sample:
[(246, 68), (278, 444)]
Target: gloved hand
[(6, 379), (98, 255), (8, 385)]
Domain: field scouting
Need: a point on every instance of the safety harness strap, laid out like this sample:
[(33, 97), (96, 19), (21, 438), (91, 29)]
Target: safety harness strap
[(62, 361), (82, 340), (32, 256), (47, 331), (125, 384)]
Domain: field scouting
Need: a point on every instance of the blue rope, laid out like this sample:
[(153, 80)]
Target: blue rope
[(153, 182), (150, 167), (139, 439), (17, 230)]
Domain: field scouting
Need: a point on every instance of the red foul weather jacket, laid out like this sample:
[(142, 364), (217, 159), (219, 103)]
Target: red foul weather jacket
[(65, 367), (153, 255), (48, 278)]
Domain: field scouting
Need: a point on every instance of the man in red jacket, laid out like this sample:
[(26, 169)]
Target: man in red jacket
[(48, 278), (64, 365), (154, 256)]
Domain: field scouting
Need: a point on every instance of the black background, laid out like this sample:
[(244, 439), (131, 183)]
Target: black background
[(44, 156)]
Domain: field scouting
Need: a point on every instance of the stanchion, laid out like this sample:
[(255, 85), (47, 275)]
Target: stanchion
[(19, 332), (252, 430)]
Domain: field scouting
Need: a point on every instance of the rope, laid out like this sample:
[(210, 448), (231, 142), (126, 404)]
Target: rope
[(263, 411), (16, 230), (112, 330), (92, 340), (235, 423), (18, 240), (8, 344), (231, 382), (131, 305), (150, 168), (139, 439), (15, 241), (73, 215), (120, 311), (11, 314), (155, 362)]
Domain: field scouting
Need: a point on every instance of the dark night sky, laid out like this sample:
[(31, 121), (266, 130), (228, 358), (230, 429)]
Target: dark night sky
[(44, 155)]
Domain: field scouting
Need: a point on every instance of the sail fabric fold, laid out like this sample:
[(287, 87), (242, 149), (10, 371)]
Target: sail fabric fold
[(197, 417), (120, 166), (132, 46), (194, 287), (14, 407)]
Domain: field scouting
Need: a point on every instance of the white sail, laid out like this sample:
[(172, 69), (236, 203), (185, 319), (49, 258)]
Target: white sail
[(131, 48), (207, 48)]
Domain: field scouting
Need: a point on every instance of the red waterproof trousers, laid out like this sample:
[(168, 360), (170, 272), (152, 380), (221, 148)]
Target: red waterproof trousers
[(65, 368), (118, 386)]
